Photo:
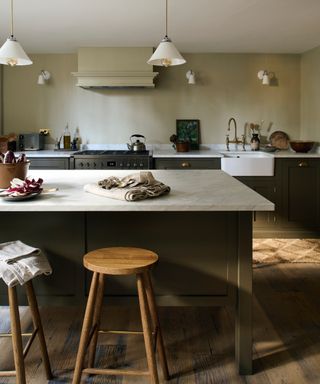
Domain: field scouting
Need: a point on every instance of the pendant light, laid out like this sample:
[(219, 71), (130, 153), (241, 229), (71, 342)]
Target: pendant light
[(11, 53), (166, 54)]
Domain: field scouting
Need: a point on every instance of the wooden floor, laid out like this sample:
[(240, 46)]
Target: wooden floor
[(200, 341)]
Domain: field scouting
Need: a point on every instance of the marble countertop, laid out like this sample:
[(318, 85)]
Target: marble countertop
[(191, 190), (166, 151), (46, 153), (171, 153)]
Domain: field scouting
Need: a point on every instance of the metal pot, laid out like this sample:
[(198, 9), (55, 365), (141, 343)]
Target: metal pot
[(137, 146)]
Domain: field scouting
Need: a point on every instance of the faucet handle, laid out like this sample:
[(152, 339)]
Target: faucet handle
[(243, 141), (227, 142)]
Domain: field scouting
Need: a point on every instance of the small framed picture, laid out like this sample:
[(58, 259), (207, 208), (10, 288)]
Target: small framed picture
[(189, 130)]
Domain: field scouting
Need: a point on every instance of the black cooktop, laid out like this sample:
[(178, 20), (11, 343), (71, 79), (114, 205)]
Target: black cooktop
[(110, 153)]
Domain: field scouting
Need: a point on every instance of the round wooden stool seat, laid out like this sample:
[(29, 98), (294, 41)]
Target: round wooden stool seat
[(119, 260)]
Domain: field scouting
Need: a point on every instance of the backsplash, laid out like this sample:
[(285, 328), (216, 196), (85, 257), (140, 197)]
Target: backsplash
[(227, 86)]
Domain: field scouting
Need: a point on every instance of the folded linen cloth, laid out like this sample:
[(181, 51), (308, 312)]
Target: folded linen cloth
[(138, 186), (19, 263)]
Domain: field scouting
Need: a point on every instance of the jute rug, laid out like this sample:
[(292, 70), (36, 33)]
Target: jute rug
[(272, 251)]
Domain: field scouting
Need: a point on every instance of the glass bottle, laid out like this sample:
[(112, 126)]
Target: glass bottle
[(255, 142), (66, 138)]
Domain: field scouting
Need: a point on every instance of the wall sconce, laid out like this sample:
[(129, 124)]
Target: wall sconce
[(43, 77), (265, 76), (190, 75)]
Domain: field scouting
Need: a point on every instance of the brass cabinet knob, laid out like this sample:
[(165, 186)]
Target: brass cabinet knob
[(303, 164), (186, 164)]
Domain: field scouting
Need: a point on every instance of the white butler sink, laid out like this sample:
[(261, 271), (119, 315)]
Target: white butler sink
[(247, 163)]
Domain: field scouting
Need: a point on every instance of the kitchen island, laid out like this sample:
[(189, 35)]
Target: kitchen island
[(202, 232)]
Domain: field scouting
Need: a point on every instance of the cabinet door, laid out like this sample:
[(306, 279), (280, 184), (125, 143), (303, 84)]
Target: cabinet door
[(49, 163), (266, 187), (300, 193), (187, 163)]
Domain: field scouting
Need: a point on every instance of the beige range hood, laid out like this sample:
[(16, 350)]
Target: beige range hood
[(113, 67)]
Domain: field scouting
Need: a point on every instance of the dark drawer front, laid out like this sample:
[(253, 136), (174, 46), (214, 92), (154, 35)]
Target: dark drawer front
[(187, 163), (49, 163)]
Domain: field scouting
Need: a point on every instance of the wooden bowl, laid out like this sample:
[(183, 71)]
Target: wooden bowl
[(301, 146), (10, 171)]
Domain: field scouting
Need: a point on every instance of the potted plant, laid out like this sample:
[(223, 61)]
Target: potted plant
[(179, 145)]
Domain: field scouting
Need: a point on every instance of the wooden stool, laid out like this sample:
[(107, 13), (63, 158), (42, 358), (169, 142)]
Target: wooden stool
[(19, 353), (120, 261)]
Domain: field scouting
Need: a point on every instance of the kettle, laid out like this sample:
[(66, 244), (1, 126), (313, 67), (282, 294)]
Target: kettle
[(138, 145)]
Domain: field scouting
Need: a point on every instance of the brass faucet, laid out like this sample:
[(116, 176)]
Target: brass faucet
[(235, 140)]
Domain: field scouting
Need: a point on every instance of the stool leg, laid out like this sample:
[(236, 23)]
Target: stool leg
[(156, 324), (96, 320), (37, 324), (16, 336), (147, 329), (86, 327)]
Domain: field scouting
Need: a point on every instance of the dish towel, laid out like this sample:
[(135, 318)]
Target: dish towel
[(138, 186), (20, 263)]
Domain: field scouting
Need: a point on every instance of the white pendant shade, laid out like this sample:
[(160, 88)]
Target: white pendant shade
[(11, 53), (166, 54)]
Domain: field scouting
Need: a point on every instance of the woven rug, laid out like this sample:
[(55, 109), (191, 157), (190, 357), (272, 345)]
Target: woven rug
[(272, 251)]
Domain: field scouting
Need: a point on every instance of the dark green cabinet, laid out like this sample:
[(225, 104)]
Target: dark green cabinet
[(49, 163), (266, 187), (300, 189), (294, 189), (187, 163)]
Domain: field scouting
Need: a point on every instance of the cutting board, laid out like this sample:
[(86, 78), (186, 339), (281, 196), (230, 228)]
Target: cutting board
[(279, 140)]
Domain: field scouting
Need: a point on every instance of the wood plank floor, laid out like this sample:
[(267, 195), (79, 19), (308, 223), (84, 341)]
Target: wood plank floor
[(199, 341)]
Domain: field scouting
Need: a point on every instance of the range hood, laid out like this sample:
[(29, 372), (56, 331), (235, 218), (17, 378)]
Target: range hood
[(109, 67)]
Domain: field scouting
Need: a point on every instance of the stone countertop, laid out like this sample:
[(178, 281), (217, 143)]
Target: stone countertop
[(191, 190), (46, 153), (166, 151), (171, 153), (289, 154)]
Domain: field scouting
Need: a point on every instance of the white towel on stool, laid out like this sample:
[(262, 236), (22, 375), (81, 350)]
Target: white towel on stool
[(19, 263)]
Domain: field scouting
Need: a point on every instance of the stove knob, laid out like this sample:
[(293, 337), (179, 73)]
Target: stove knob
[(88, 165), (141, 165), (81, 165), (121, 165), (128, 165), (135, 165), (94, 165)]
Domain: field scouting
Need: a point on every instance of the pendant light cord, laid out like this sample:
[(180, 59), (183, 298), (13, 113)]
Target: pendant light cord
[(166, 17), (11, 18)]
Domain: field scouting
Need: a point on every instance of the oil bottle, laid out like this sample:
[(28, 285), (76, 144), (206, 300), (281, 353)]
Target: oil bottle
[(66, 138)]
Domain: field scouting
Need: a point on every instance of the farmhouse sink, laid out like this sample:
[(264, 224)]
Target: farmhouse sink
[(247, 163)]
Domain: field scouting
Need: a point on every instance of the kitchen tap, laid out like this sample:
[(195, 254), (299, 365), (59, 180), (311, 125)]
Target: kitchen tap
[(236, 140)]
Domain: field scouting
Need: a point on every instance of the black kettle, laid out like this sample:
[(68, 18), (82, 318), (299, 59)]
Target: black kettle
[(137, 145)]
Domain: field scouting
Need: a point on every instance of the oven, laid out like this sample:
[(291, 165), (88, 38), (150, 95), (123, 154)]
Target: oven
[(112, 159)]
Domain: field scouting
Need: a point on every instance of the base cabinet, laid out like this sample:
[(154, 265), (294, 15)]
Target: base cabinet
[(266, 187), (300, 194), (294, 189)]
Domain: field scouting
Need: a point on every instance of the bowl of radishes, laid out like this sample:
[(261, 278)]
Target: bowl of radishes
[(12, 167)]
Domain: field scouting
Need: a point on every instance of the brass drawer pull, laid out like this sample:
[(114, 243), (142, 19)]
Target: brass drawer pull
[(303, 164), (186, 165)]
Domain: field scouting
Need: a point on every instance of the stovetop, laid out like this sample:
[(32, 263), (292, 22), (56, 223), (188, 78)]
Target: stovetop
[(110, 153)]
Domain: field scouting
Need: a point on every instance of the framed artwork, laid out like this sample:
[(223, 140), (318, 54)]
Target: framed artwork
[(189, 130)]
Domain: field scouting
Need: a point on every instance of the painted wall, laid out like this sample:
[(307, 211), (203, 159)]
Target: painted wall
[(227, 85), (310, 95)]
